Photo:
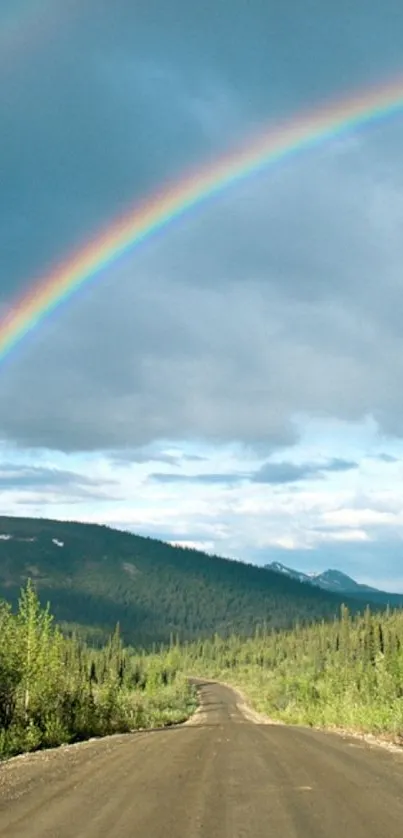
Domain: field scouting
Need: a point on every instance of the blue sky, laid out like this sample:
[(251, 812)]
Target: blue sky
[(236, 383)]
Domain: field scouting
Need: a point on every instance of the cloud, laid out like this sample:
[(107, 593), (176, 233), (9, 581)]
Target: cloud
[(230, 341), (38, 479), (326, 521), (267, 306), (319, 526), (143, 455), (273, 473), (263, 304), (363, 559), (229, 479), (153, 454), (278, 473)]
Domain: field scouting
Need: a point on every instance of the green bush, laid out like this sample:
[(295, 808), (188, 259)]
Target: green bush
[(55, 690), (347, 673)]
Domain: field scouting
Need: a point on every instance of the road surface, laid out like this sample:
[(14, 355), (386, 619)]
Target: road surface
[(221, 776)]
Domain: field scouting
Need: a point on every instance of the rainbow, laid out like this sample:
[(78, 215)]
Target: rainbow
[(145, 219)]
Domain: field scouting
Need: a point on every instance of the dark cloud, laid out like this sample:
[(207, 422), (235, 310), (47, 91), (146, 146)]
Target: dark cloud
[(90, 124), (210, 479), (282, 298), (110, 101), (155, 353), (41, 478), (151, 454), (278, 473), (274, 473)]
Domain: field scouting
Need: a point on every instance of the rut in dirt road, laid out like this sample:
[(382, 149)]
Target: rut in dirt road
[(221, 776)]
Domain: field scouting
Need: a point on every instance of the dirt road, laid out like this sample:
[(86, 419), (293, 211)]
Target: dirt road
[(221, 776)]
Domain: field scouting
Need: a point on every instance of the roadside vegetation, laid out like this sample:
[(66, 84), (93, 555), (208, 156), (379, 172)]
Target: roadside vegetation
[(347, 673), (56, 690)]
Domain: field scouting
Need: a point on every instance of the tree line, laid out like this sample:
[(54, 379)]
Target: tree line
[(347, 672), (55, 689)]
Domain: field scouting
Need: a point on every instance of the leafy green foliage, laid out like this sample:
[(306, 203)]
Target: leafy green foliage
[(95, 577), (56, 690), (346, 673)]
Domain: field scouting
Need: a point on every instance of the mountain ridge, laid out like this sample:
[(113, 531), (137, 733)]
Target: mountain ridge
[(95, 576), (338, 582)]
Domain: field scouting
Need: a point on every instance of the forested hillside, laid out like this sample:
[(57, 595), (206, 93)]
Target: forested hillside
[(94, 577)]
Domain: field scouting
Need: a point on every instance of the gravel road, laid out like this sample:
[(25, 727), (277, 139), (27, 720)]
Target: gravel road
[(222, 775)]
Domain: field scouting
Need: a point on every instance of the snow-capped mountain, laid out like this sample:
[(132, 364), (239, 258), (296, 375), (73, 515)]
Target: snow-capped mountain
[(329, 580), (288, 571)]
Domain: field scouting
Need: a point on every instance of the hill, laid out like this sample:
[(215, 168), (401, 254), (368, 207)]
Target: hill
[(95, 576), (340, 583)]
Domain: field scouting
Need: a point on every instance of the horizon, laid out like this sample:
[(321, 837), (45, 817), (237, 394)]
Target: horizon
[(236, 382), (198, 547)]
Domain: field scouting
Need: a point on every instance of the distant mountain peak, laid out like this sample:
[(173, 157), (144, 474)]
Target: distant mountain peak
[(95, 576), (278, 567), (329, 580)]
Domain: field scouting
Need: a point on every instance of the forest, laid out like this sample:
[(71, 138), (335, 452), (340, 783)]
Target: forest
[(57, 690), (345, 673), (95, 576)]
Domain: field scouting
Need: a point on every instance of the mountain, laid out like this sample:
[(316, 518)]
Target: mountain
[(340, 583), (329, 580), (335, 580), (277, 567), (95, 576)]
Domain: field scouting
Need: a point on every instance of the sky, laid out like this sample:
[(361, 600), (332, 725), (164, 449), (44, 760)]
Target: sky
[(235, 384)]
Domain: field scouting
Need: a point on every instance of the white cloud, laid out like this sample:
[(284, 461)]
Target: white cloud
[(248, 520), (352, 518), (205, 546)]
